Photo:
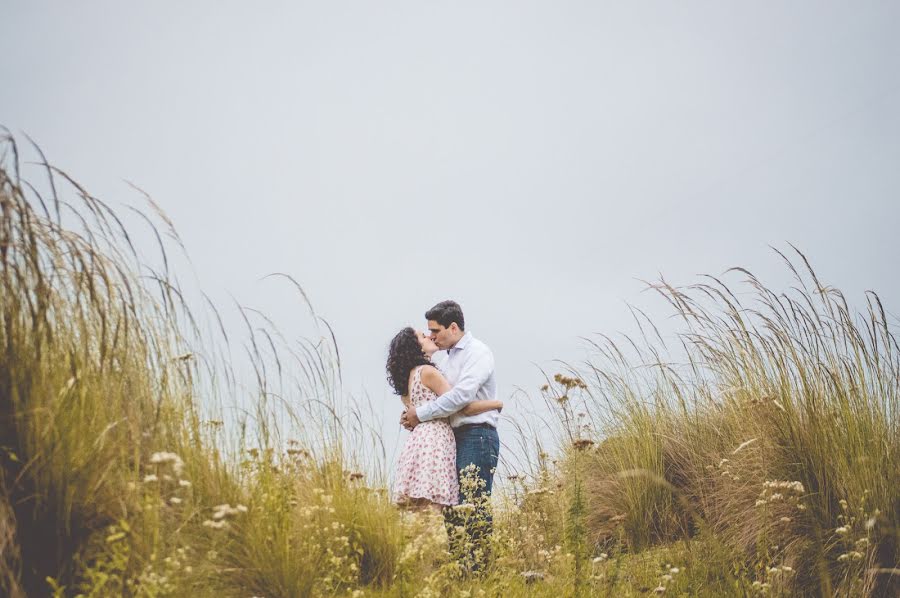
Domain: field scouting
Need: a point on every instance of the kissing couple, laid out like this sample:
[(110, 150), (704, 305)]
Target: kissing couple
[(449, 458)]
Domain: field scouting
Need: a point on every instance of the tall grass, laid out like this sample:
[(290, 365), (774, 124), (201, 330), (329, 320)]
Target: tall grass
[(776, 431), (150, 450), (115, 480)]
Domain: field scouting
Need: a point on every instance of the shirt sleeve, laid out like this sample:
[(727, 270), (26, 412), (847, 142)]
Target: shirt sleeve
[(475, 372)]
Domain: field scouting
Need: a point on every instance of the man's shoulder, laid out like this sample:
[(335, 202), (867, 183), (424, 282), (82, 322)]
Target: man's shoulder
[(479, 347)]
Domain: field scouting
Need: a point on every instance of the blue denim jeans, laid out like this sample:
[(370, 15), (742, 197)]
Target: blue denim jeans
[(470, 529), (478, 446)]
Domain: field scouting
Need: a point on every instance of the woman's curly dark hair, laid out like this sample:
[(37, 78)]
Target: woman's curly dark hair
[(405, 354)]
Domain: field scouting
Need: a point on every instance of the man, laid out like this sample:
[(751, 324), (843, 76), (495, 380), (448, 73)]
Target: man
[(469, 368)]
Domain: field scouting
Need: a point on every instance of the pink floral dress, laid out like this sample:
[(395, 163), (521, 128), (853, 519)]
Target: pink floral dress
[(427, 465)]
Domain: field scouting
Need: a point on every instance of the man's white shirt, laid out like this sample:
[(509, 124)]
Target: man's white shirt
[(469, 368)]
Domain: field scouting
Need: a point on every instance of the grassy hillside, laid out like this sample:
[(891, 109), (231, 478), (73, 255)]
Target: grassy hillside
[(756, 452)]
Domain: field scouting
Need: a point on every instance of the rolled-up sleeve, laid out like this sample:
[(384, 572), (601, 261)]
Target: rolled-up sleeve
[(476, 370)]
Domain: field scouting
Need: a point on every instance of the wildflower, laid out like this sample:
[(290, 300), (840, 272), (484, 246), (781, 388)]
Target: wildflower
[(356, 476), (843, 504), (667, 578), (784, 485), (184, 483), (870, 524), (464, 508), (583, 443), (226, 510), (601, 557), (674, 570), (175, 500), (150, 478), (532, 576), (844, 529), (785, 520), (215, 524), (163, 458), (659, 590), (787, 569)]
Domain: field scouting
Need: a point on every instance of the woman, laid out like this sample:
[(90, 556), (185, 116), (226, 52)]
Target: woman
[(426, 470)]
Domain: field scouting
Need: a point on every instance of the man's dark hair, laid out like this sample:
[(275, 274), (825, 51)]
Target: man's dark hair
[(445, 313)]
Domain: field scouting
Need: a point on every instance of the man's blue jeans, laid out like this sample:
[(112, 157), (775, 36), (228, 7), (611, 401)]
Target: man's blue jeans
[(470, 526)]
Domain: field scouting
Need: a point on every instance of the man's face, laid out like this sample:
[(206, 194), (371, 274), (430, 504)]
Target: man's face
[(442, 336)]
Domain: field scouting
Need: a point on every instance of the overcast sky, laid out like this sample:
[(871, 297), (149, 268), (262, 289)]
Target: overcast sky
[(532, 160)]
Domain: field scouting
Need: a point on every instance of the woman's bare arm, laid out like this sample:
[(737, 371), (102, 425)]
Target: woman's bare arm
[(434, 380), (477, 407)]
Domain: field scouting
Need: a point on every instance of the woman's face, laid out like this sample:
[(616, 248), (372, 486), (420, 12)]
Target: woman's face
[(428, 346)]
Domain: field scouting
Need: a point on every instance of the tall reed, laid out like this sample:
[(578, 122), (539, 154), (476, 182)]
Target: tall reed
[(774, 426)]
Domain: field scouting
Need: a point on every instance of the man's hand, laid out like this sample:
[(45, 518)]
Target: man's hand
[(409, 419)]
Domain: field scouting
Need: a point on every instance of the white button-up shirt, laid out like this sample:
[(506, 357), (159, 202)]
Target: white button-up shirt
[(469, 368)]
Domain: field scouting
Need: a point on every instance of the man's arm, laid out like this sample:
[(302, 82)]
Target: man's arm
[(475, 372)]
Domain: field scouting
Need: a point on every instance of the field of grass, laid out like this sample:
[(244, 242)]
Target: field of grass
[(755, 452)]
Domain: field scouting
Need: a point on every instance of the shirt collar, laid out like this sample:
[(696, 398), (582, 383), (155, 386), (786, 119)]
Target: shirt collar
[(461, 343)]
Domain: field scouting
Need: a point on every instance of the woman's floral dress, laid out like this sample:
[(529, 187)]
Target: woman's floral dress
[(426, 468)]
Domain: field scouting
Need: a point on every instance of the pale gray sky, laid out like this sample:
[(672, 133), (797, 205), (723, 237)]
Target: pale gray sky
[(530, 159)]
